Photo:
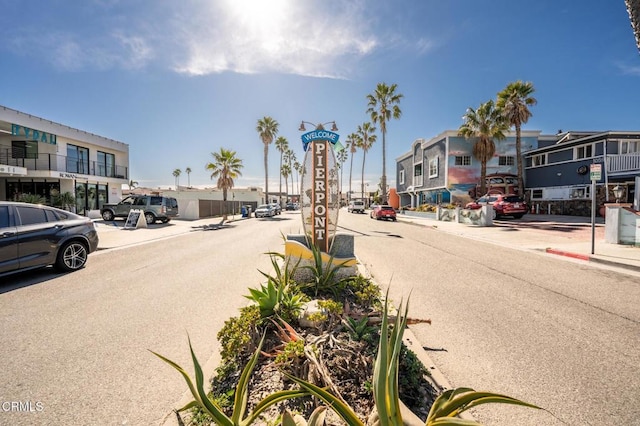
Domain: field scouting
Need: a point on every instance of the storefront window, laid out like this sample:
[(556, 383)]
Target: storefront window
[(102, 195), (81, 198), (92, 194)]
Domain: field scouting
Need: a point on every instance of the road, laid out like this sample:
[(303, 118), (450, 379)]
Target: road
[(562, 335), (558, 334), (76, 346)]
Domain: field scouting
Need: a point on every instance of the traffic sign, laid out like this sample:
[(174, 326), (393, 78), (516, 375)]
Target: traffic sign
[(595, 171)]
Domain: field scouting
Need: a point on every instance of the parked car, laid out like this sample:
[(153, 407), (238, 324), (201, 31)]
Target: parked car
[(33, 236), (503, 204), (380, 212), (265, 210), (156, 207), (277, 208), (291, 206), (356, 206)]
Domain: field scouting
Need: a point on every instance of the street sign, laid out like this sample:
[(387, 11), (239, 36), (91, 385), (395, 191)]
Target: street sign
[(595, 171)]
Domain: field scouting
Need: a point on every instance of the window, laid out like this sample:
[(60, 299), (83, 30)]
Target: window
[(506, 160), (539, 160), (401, 177), (24, 149), (585, 151), (629, 147), (77, 159), (536, 194), (31, 215), (106, 164), (581, 192), (433, 167), (463, 160), (4, 217)]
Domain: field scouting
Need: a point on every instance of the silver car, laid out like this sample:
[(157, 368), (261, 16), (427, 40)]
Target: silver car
[(265, 210)]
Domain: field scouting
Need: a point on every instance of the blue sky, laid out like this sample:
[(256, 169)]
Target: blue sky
[(178, 80)]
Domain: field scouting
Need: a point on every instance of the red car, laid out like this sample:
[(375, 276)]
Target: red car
[(383, 212), (503, 204)]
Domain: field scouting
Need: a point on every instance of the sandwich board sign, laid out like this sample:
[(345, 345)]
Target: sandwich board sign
[(135, 219)]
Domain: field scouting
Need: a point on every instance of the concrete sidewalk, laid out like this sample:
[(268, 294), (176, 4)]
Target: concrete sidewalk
[(569, 236)]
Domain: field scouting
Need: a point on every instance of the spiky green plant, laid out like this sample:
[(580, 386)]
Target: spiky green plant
[(239, 417), (359, 329), (324, 274), (31, 199)]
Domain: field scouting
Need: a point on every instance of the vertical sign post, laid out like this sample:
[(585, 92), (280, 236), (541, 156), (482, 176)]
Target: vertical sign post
[(595, 173), (320, 195)]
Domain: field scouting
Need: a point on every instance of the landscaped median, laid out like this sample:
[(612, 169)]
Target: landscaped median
[(344, 361)]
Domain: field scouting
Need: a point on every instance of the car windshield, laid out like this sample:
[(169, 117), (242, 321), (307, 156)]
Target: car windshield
[(264, 206)]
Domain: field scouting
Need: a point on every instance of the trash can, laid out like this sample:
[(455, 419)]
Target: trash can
[(246, 211)]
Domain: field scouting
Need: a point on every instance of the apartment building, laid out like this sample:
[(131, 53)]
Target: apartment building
[(44, 158)]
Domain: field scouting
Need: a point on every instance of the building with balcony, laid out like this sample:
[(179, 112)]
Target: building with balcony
[(442, 169), (556, 171), (40, 157)]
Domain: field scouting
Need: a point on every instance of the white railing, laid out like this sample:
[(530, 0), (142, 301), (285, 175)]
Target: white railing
[(417, 180), (623, 163)]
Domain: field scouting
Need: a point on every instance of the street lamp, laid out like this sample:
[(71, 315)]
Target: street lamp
[(334, 128), (618, 192)]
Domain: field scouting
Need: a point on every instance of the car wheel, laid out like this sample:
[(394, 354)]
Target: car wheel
[(165, 220), (107, 215), (518, 216), (71, 257), (150, 218)]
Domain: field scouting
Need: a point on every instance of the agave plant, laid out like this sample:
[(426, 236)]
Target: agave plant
[(239, 416), (316, 418), (324, 273)]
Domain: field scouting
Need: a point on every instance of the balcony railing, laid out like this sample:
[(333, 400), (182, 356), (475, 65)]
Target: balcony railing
[(417, 180), (61, 163), (623, 163)]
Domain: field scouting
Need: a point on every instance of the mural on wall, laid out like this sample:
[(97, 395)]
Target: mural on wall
[(463, 179)]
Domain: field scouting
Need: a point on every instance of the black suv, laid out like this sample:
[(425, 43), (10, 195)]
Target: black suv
[(155, 207)]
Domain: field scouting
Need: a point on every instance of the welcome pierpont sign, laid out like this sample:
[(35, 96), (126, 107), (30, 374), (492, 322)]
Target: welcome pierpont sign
[(319, 187)]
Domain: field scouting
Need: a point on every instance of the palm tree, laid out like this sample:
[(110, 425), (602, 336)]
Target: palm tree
[(267, 129), (342, 156), (352, 146), (484, 124), (226, 167), (188, 172), (132, 184), (176, 174), (281, 145), (297, 167), (514, 101), (285, 171), (291, 159), (383, 105), (365, 140)]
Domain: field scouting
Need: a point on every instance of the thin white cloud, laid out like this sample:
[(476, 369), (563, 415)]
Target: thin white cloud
[(318, 38), (629, 69), (289, 36)]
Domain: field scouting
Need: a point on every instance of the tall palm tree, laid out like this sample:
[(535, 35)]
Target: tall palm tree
[(291, 159), (281, 145), (383, 105), (352, 146), (365, 140), (342, 156), (285, 171), (514, 101), (176, 174), (188, 172), (297, 167), (484, 124), (267, 129), (226, 167)]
